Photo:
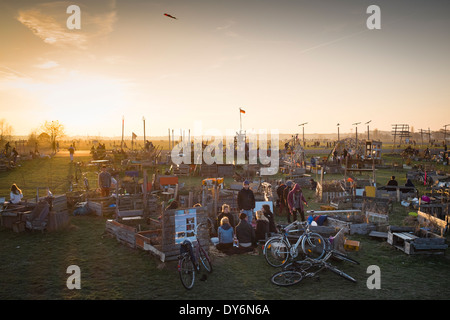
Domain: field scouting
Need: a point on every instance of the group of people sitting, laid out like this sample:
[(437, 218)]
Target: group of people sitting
[(243, 235)]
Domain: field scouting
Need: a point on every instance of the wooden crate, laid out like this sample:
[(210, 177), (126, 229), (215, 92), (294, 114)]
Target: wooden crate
[(102, 206), (18, 226), (57, 220), (416, 242), (159, 242), (123, 233), (150, 241), (351, 245), (440, 222)]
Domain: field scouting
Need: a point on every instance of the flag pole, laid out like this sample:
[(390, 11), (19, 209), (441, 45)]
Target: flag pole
[(240, 119)]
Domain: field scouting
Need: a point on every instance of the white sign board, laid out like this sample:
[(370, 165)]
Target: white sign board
[(185, 222)]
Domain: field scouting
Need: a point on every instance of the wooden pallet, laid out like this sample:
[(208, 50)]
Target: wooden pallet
[(411, 243)]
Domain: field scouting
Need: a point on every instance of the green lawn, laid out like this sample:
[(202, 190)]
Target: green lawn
[(33, 265)]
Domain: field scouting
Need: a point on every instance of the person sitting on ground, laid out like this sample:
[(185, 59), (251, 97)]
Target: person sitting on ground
[(16, 194), (392, 182), (226, 234), (409, 183), (225, 213), (244, 232), (262, 226), (270, 216)]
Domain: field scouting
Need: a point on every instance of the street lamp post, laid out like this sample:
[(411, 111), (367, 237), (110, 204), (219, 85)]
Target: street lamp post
[(368, 128), (303, 127), (445, 133), (338, 131), (356, 126)]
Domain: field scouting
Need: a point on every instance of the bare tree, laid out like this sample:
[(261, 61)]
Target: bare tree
[(55, 130), (5, 131)]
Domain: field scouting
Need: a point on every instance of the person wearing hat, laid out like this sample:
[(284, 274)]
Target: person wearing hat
[(295, 202), (246, 201)]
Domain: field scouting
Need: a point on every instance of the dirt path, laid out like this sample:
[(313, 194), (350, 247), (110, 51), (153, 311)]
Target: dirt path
[(79, 153)]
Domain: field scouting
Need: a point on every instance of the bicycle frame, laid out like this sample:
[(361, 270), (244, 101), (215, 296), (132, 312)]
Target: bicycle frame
[(192, 252), (293, 247)]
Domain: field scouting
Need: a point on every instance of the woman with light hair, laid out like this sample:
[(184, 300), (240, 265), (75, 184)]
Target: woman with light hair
[(226, 234), (16, 194)]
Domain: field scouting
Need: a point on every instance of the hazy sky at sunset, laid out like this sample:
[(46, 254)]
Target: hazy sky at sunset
[(284, 62)]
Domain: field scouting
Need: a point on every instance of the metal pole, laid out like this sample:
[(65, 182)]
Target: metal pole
[(143, 119), (123, 120)]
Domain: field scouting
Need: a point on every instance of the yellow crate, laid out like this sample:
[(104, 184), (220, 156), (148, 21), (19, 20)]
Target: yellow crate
[(351, 245)]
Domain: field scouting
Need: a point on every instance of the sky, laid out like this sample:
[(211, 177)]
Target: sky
[(285, 62)]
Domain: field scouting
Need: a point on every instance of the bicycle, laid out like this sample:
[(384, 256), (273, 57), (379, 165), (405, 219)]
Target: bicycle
[(278, 249), (192, 255), (296, 271)]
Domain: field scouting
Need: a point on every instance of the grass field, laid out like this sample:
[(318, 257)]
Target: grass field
[(33, 265)]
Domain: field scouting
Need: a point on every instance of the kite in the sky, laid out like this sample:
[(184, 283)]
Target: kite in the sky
[(170, 16)]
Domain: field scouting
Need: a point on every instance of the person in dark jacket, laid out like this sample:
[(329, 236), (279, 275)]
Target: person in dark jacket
[(296, 201), (281, 202), (246, 201), (392, 182), (269, 215), (286, 191), (225, 213), (244, 232), (262, 226)]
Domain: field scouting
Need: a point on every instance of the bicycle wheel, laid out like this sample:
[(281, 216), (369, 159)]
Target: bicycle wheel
[(313, 245), (276, 252), (341, 273), (342, 256), (186, 269), (286, 278), (205, 260)]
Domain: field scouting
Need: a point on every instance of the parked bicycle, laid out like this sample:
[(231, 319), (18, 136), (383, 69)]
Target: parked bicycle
[(296, 271), (192, 256), (278, 250)]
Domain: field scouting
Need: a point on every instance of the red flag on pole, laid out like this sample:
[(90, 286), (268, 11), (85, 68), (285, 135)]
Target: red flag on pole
[(242, 111)]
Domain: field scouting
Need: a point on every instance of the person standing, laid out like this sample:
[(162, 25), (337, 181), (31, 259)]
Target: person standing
[(269, 215), (296, 201), (286, 191), (104, 182), (71, 152), (281, 202), (246, 201)]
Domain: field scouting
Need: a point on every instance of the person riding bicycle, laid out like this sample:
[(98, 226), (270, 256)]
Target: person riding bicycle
[(295, 202)]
